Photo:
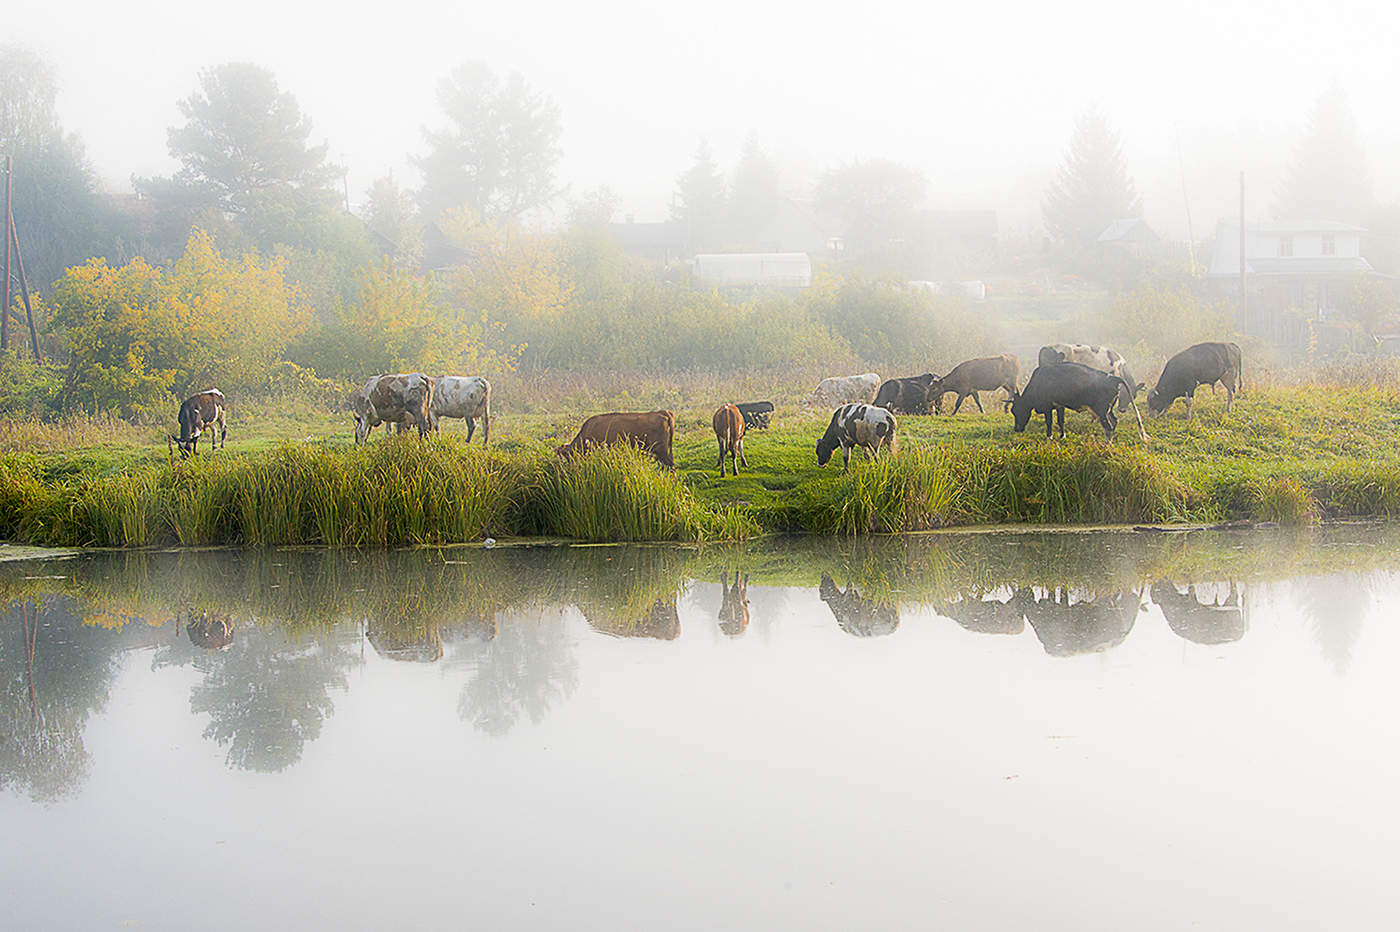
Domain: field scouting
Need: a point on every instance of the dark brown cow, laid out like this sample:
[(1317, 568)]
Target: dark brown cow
[(906, 396), (729, 432), (1202, 364), (649, 431), (856, 614), (196, 413), (734, 606), (985, 374)]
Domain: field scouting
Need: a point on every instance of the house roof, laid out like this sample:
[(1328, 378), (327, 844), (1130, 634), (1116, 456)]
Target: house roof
[(1127, 229), (1292, 265)]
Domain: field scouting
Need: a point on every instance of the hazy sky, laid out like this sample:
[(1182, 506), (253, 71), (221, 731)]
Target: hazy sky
[(982, 99)]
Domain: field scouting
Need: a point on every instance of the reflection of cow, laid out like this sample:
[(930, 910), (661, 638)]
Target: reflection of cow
[(989, 616), (412, 644), (856, 615), (211, 632), (1085, 627), (661, 621), (1214, 622), (734, 608)]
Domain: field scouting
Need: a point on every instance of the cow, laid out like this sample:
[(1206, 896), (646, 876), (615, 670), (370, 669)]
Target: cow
[(209, 631), (1202, 364), (757, 414), (985, 374), (391, 399), (1052, 389), (734, 604), (856, 614), (649, 431), (729, 432), (986, 616), (847, 389), (1095, 357), (1217, 621), (196, 413), (857, 425), (905, 396), (467, 397)]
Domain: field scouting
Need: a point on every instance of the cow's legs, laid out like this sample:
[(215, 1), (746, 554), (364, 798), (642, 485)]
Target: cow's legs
[(978, 399), (845, 457), (1229, 394), (1049, 413), (720, 463), (743, 461), (1060, 419), (471, 428)]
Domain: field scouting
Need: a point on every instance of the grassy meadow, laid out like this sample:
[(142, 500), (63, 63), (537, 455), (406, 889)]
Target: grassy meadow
[(1293, 454)]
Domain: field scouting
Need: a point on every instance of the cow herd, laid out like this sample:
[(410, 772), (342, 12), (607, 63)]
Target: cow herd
[(1069, 376)]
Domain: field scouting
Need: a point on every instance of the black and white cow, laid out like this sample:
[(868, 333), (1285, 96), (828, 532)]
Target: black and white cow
[(196, 413), (857, 425), (757, 414)]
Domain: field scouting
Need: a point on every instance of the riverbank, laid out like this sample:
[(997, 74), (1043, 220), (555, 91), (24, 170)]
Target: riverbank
[(1293, 456)]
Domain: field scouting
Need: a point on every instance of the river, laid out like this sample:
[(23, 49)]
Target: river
[(1076, 730)]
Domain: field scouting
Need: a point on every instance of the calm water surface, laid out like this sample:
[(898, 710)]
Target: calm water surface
[(1108, 730)]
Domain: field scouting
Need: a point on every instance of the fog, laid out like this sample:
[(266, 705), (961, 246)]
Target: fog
[(982, 100)]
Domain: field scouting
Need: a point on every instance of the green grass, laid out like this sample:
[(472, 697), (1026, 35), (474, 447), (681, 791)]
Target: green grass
[(1292, 456)]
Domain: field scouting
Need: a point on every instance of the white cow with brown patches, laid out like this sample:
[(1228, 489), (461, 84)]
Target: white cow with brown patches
[(393, 399)]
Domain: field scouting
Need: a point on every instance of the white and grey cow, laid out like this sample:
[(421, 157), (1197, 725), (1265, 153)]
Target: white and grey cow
[(857, 425), (846, 389), (464, 396), (1095, 357), (392, 399)]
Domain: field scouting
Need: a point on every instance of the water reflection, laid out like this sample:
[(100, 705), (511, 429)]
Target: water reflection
[(856, 614), (273, 635), (1197, 614)]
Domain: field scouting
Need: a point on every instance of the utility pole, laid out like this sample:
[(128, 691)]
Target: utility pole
[(1244, 295), (5, 308), (24, 290)]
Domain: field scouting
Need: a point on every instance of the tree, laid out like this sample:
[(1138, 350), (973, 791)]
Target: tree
[(754, 194), (245, 157), (28, 89), (1092, 187), (62, 219), (699, 205), (874, 202), (392, 223), (499, 151), (1328, 178)]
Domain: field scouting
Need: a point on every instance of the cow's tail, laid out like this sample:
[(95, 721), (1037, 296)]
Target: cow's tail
[(486, 417)]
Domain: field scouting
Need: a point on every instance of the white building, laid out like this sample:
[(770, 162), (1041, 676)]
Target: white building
[(1290, 265)]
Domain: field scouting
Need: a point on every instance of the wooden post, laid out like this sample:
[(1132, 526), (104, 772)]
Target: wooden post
[(24, 291), (5, 308), (1244, 295)]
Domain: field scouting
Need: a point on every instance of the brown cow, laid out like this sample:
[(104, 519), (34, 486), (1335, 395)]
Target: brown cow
[(734, 605), (729, 432), (985, 374), (649, 431)]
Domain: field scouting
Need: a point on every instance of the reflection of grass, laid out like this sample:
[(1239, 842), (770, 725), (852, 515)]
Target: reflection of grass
[(412, 596)]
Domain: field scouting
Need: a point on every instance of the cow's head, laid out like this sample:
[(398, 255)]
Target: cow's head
[(564, 449), (361, 418), (1158, 402), (1021, 411), (825, 447), (933, 395), (187, 445)]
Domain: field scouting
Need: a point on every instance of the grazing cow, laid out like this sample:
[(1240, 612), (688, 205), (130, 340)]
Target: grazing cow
[(1095, 357), (1210, 622), (391, 399), (985, 374), (757, 414), (906, 396), (840, 390), (196, 413), (1052, 389), (857, 425), (856, 614), (729, 432), (734, 605), (662, 621), (209, 631), (467, 397), (1202, 364), (649, 431)]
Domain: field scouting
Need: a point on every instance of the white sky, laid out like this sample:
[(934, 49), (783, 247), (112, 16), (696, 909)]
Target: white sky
[(982, 99)]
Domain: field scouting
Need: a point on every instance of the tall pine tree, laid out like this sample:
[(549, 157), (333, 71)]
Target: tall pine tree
[(1092, 187)]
